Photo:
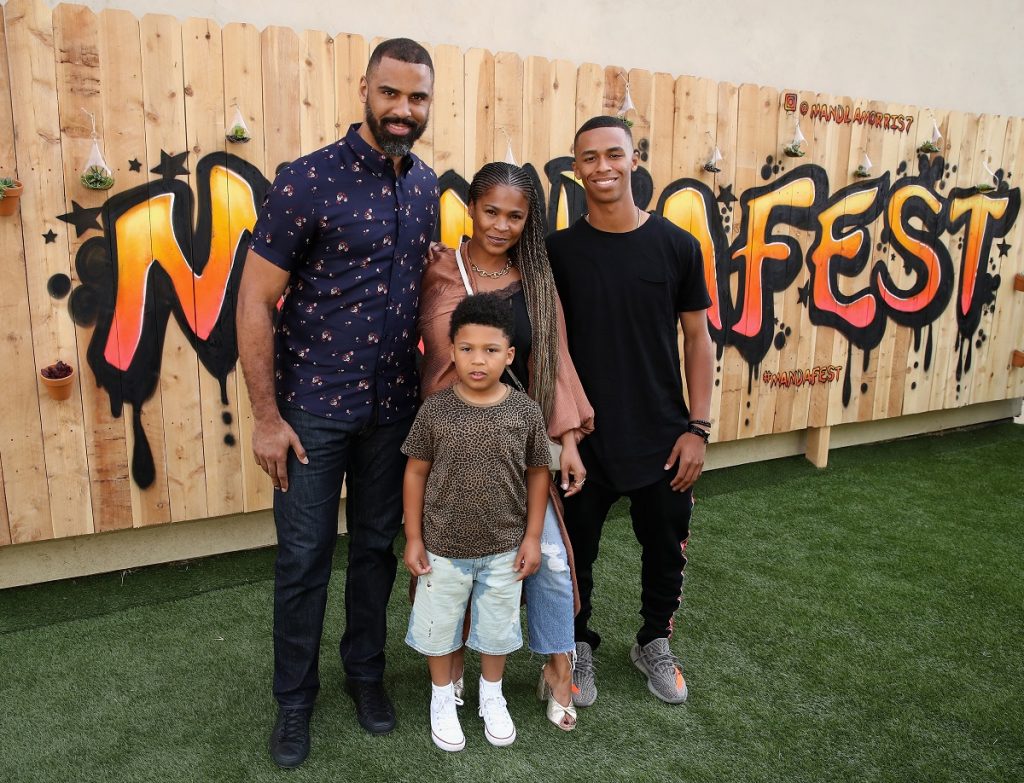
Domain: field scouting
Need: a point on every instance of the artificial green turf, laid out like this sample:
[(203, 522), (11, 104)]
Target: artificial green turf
[(860, 623)]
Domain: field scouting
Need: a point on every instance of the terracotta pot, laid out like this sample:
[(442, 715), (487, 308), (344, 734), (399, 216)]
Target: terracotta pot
[(59, 388), (9, 203)]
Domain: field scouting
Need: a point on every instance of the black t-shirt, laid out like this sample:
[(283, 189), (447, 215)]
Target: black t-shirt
[(622, 295)]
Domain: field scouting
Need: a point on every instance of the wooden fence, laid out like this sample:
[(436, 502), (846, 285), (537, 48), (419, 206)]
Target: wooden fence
[(838, 298)]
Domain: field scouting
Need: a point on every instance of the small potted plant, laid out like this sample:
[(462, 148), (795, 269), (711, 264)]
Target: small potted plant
[(97, 178), (10, 191), (58, 379)]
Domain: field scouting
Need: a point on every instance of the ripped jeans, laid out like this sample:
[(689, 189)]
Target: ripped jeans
[(549, 598), (491, 588)]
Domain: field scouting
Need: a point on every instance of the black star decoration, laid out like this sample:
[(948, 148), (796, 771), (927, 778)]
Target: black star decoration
[(725, 195), (135, 164), (82, 218), (171, 165), (803, 293), (1003, 248), (50, 237)]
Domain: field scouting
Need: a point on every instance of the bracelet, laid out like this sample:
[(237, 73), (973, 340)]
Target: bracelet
[(704, 435), (701, 422)]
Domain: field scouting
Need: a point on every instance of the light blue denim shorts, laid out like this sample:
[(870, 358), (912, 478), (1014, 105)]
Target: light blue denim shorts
[(488, 585)]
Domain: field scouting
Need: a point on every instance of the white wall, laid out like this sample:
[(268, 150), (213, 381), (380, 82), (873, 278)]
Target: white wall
[(952, 54)]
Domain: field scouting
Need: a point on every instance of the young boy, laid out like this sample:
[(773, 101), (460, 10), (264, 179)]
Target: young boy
[(475, 491)]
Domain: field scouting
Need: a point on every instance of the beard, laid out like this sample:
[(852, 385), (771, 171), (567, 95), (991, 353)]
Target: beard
[(392, 145)]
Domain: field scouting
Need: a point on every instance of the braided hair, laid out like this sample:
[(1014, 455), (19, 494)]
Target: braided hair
[(530, 257)]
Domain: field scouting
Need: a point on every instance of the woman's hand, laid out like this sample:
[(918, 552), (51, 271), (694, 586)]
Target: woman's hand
[(439, 250), (571, 471)]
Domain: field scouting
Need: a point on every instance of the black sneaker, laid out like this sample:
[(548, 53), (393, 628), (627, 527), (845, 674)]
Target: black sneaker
[(289, 741), (373, 707)]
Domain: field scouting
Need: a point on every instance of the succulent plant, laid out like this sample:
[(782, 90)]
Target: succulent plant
[(928, 147), (57, 371), (5, 182), (97, 178), (237, 134)]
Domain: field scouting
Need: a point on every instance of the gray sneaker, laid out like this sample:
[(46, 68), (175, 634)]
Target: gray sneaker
[(664, 673), (584, 689)]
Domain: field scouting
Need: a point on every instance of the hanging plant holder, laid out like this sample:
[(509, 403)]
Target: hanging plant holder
[(97, 174), (711, 164), (58, 380), (931, 146), (627, 103), (10, 191), (864, 169), (793, 149), (238, 133)]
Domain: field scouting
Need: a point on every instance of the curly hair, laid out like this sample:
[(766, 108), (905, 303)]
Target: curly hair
[(485, 309), (530, 257)]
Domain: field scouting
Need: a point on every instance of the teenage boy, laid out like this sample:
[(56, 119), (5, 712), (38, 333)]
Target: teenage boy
[(476, 488), (332, 379), (626, 278)]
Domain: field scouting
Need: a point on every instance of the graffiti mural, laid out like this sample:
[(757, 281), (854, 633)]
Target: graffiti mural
[(151, 262)]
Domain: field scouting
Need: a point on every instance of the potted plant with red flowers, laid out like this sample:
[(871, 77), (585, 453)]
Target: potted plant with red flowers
[(58, 379)]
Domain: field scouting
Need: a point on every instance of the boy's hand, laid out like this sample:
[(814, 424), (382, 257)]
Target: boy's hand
[(416, 558), (527, 558)]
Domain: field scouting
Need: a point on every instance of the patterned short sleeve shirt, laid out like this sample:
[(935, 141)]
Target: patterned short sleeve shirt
[(475, 501), (353, 237)]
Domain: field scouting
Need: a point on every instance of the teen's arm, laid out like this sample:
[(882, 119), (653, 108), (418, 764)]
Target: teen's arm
[(698, 366), (414, 487), (258, 294), (528, 557)]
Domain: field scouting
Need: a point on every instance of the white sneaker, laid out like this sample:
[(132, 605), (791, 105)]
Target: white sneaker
[(498, 726), (445, 729)]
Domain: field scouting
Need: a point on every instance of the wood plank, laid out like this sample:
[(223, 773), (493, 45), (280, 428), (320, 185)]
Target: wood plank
[(317, 112), (991, 140), (829, 145), (659, 107), (243, 63), (163, 90), (696, 121), (1014, 339), (590, 83), (208, 122), (848, 141), (26, 495), (80, 88), (761, 409), (943, 331), (1002, 340), (40, 166), (892, 351), (563, 111), (537, 109), (508, 107), (743, 153), (920, 357), (449, 110), (792, 403), (351, 54), (124, 140), (967, 176), (480, 98), (5, 520)]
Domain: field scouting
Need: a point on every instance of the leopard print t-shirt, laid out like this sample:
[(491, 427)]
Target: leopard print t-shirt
[(475, 502)]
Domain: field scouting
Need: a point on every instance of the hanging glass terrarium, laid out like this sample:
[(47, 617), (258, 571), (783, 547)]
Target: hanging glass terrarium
[(238, 133), (97, 174)]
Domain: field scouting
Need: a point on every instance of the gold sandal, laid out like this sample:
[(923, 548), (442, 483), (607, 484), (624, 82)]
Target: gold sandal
[(564, 717)]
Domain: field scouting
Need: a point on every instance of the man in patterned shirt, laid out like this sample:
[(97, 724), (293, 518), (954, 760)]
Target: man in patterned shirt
[(342, 235)]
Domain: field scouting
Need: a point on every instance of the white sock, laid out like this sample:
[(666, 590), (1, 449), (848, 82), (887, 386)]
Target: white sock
[(438, 692), (489, 690)]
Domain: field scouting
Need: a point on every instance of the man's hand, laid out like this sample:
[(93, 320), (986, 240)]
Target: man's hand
[(689, 453), (527, 558), (416, 558), (270, 443)]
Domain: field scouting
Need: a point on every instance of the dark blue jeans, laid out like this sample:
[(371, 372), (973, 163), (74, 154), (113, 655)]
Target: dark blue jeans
[(306, 516)]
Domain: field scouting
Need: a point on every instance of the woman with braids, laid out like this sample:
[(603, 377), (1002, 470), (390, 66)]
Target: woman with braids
[(506, 255)]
